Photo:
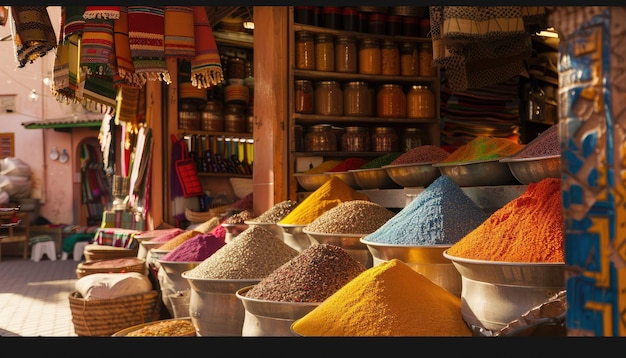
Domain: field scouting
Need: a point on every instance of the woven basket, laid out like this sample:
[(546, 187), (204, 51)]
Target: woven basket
[(95, 252), (202, 216), (107, 316), (125, 264)]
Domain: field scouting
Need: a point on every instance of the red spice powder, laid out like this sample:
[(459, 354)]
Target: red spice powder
[(348, 164)]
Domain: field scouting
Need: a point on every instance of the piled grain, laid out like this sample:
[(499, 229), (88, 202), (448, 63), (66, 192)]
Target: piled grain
[(312, 276), (253, 254), (351, 217), (276, 212)]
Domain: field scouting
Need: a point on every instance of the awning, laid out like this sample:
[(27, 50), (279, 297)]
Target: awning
[(91, 120)]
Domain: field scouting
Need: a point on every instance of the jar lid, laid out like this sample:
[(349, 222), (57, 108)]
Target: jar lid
[(302, 34), (356, 84), (327, 83), (370, 41), (344, 38), (419, 87), (356, 129), (324, 37)]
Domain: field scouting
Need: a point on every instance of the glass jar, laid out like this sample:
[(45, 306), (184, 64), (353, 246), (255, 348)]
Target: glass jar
[(345, 54), (425, 27), (188, 116), (370, 62), (320, 138), (212, 116), (303, 15), (234, 118), (420, 102), (250, 119), (324, 52), (390, 58), (385, 139), (409, 59), (391, 101), (328, 98), (356, 99), (410, 138), (236, 68), (356, 139), (350, 18), (394, 25), (410, 26), (304, 97), (331, 17), (305, 50), (377, 23), (427, 68)]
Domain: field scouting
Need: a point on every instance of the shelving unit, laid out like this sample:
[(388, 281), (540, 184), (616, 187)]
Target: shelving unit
[(429, 126)]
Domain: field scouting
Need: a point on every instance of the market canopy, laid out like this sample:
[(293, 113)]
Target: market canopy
[(91, 120)]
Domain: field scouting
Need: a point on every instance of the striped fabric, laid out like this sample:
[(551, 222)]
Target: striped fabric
[(128, 100), (116, 237), (206, 67), (146, 27), (97, 60), (125, 66), (72, 21), (179, 32), (32, 32), (102, 12)]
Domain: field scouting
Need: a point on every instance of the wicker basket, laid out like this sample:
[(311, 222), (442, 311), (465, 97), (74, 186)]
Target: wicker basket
[(95, 252), (125, 264), (107, 316), (202, 216)]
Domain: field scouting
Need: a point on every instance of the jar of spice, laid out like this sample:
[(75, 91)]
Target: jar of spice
[(391, 101), (305, 50), (394, 25), (356, 139), (331, 17), (385, 139), (427, 68), (304, 97), (370, 61), (212, 116), (345, 54), (356, 99), (324, 52), (377, 23), (410, 26), (188, 116), (236, 68), (320, 138), (409, 59), (350, 18), (420, 102), (410, 138), (304, 15), (390, 58), (250, 119), (234, 118), (328, 98)]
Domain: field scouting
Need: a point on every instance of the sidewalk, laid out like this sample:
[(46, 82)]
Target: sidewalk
[(34, 297)]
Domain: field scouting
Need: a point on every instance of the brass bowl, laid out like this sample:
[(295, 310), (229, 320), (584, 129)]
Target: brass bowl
[(311, 182), (533, 170), (478, 173), (346, 176), (494, 293), (425, 259), (373, 178), (413, 174)]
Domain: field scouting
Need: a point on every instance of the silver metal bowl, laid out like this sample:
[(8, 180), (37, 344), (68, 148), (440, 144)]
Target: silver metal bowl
[(270, 318), (478, 173), (294, 237), (351, 243), (425, 259), (373, 178), (311, 182), (213, 307), (413, 175), (494, 293), (533, 170), (347, 178), (171, 281), (233, 230)]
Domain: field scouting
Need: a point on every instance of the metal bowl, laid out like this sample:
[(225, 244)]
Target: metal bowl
[(270, 318), (271, 227), (347, 178), (494, 293), (533, 170), (373, 178), (478, 173), (294, 237), (425, 259), (311, 182), (233, 230), (213, 307), (349, 242), (413, 174), (171, 281)]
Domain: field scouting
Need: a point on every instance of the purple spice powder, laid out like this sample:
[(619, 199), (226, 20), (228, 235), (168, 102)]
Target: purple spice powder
[(422, 154), (198, 248), (168, 235), (547, 143)]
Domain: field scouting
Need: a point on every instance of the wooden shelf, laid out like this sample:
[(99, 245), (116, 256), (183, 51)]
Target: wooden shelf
[(317, 119), (347, 77), (357, 35)]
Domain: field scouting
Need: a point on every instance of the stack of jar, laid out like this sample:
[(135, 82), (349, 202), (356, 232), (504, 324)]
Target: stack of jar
[(368, 56), (381, 20)]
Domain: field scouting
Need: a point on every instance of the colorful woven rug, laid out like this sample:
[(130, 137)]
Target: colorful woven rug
[(32, 32), (206, 67), (179, 32), (146, 28)]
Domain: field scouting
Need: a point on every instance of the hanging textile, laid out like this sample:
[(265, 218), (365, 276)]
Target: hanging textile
[(146, 27), (32, 32), (97, 62), (479, 46), (125, 67), (206, 67), (128, 102), (102, 12), (66, 67), (179, 32)]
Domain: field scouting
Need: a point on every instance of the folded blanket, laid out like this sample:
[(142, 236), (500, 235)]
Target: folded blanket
[(179, 32), (146, 27), (206, 67), (32, 32)]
